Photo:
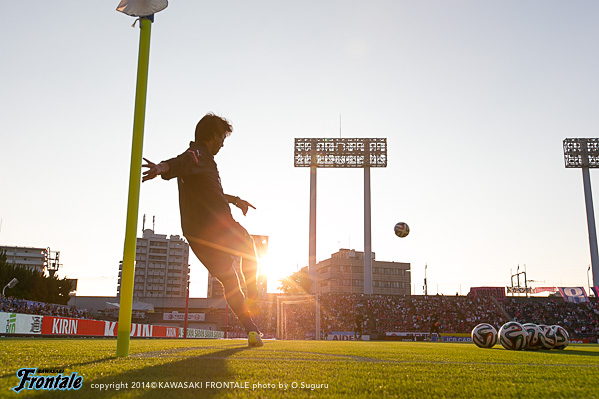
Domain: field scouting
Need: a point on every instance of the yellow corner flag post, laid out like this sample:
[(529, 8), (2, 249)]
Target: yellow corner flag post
[(128, 271), (144, 10)]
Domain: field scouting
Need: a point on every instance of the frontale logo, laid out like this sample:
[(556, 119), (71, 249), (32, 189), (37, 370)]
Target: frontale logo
[(29, 380)]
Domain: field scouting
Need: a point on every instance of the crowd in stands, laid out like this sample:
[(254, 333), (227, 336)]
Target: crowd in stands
[(13, 305), (580, 319), (453, 314), (387, 313)]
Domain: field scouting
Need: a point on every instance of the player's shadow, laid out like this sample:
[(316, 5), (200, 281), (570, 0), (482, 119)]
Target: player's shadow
[(572, 352), (209, 367)]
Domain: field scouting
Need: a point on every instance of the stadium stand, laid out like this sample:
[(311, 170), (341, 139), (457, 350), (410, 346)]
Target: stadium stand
[(378, 314), (13, 305), (579, 319), (455, 314)]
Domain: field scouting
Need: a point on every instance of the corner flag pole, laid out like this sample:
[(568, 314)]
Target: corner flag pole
[(128, 273)]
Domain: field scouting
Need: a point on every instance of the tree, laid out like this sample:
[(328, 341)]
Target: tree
[(296, 284), (33, 285)]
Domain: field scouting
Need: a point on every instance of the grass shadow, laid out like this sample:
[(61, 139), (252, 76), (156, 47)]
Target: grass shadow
[(571, 352), (207, 367)]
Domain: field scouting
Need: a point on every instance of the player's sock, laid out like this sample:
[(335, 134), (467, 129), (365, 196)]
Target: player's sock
[(252, 291), (246, 321)]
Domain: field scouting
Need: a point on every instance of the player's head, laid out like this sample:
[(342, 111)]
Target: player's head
[(212, 126), (211, 131)]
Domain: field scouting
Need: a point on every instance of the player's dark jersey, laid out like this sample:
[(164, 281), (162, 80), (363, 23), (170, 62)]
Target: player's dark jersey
[(204, 208)]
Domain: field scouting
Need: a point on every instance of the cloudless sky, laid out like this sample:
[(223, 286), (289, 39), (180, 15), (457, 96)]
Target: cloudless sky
[(474, 98)]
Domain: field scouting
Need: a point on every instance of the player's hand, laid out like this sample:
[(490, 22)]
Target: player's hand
[(244, 206), (153, 171)]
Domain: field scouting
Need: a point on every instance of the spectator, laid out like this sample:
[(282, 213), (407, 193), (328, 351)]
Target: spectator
[(14, 305)]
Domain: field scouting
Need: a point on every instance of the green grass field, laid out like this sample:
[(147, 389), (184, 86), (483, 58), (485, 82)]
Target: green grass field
[(326, 368)]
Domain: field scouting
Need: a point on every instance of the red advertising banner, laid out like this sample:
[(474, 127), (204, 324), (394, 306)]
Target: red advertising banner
[(16, 323), (67, 326), (580, 340), (544, 289), (141, 330), (495, 292)]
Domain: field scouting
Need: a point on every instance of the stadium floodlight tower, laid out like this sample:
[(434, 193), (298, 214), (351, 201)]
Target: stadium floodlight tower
[(584, 153), (340, 153)]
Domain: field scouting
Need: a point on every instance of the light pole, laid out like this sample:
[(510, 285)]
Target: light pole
[(425, 283), (10, 284), (589, 280), (340, 153), (186, 309), (583, 153)]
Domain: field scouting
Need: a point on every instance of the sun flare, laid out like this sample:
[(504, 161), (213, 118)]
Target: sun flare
[(277, 264)]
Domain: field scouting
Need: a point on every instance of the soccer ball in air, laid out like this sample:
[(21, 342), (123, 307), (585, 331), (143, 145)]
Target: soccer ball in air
[(513, 336), (547, 337), (562, 339), (402, 229), (534, 336), (484, 335)]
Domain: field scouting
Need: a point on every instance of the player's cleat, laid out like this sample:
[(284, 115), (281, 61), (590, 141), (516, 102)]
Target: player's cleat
[(255, 339)]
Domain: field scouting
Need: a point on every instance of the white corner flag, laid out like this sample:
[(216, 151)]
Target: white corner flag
[(141, 8)]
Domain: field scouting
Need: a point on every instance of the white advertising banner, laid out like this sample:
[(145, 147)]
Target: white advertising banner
[(345, 336), (176, 316), (16, 323)]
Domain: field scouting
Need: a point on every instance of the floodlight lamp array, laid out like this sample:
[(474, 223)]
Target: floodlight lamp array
[(340, 152), (581, 153)]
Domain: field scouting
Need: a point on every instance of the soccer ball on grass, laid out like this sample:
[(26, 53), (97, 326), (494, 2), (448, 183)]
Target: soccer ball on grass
[(513, 336), (547, 336), (534, 336), (484, 335), (562, 339)]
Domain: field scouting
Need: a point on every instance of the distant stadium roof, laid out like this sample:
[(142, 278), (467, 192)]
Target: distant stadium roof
[(136, 306)]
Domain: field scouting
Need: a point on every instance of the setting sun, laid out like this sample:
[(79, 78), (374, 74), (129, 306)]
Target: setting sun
[(276, 264)]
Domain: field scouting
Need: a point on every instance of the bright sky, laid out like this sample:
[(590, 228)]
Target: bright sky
[(475, 99)]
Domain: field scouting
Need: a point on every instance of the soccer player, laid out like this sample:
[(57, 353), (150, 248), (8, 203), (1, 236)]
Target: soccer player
[(206, 220), (435, 325), (358, 328)]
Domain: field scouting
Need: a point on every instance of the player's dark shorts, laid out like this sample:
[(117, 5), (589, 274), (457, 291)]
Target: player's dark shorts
[(216, 248)]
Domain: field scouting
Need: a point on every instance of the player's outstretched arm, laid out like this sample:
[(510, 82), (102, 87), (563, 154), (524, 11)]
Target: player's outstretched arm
[(153, 169), (239, 203)]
